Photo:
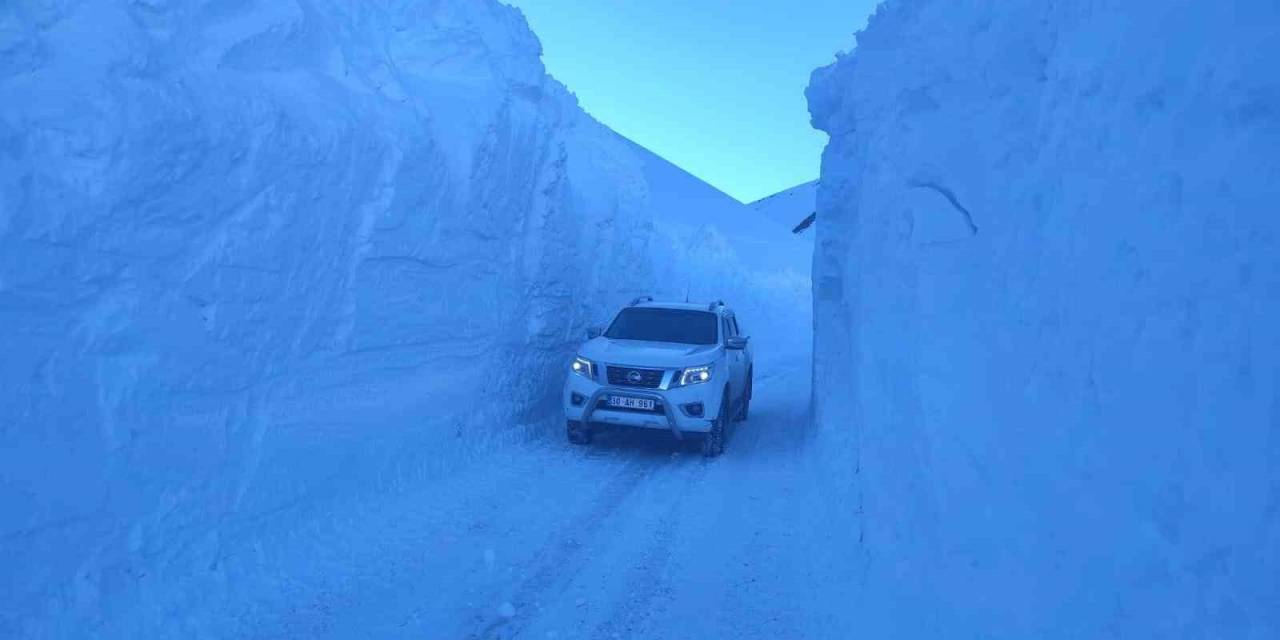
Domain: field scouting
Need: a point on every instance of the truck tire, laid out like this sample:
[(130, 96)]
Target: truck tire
[(578, 433), (713, 442), (745, 409)]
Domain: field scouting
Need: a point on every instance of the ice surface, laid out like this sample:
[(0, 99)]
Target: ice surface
[(259, 259), (1047, 289)]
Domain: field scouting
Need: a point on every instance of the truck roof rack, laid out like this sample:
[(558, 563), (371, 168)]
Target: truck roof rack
[(640, 299), (714, 305)]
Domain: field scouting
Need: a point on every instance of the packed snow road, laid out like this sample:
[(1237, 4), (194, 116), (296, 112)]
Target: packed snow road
[(634, 536)]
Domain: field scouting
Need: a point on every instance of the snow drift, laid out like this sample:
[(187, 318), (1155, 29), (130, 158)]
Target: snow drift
[(259, 256), (1047, 289)]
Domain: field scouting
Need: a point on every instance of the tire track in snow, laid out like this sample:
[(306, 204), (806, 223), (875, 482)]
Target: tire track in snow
[(561, 559), (646, 580), (719, 507)]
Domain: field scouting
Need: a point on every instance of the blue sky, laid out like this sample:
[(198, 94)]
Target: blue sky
[(715, 86)]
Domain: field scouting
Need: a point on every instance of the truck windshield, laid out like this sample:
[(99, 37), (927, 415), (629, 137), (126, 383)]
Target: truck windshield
[(685, 326)]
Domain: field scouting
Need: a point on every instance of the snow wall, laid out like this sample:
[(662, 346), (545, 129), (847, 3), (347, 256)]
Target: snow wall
[(260, 257), (1047, 302)]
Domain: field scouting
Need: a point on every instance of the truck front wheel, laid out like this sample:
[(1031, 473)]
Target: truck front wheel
[(745, 409), (713, 442), (577, 432)]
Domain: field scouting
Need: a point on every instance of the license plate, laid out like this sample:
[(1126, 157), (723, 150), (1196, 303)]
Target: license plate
[(624, 402)]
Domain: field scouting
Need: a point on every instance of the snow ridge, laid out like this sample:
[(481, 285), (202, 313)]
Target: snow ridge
[(789, 207)]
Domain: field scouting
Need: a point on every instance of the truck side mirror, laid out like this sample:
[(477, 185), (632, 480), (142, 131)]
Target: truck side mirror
[(736, 343), (594, 332)]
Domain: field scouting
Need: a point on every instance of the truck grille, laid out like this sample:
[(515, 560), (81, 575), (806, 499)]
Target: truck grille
[(630, 377)]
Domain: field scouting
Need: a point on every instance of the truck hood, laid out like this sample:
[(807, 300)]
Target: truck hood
[(654, 355)]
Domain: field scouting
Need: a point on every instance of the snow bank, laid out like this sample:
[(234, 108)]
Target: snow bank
[(258, 256), (1047, 289)]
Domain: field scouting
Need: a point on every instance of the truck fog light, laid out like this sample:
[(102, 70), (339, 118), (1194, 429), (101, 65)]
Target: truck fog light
[(693, 409), (577, 399)]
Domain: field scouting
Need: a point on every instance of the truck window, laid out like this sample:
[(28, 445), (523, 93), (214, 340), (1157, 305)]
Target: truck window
[(655, 324)]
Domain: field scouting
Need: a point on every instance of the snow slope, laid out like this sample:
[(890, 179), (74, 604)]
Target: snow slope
[(709, 246), (790, 207), (1047, 291), (260, 261)]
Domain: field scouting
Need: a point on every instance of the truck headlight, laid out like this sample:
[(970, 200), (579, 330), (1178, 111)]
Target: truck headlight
[(583, 367), (694, 375)]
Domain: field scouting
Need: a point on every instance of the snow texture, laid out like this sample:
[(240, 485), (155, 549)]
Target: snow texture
[(1047, 289), (258, 259)]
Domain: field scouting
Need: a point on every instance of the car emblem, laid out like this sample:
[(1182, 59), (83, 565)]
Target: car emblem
[(634, 376)]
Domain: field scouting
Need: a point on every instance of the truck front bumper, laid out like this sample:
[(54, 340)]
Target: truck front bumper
[(586, 401)]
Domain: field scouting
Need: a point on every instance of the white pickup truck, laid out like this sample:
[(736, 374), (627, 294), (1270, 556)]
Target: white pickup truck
[(678, 366)]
